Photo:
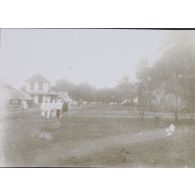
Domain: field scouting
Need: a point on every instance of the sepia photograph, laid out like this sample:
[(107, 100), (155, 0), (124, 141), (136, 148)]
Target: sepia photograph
[(105, 98)]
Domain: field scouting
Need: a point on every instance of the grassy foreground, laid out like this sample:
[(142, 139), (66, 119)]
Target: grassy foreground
[(95, 138)]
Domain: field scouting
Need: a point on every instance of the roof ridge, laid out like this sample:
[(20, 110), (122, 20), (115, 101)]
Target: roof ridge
[(37, 77)]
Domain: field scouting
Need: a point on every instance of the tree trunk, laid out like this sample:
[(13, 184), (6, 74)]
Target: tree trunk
[(142, 116), (176, 115)]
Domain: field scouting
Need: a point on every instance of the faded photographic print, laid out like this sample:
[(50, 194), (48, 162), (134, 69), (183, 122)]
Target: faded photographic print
[(97, 98)]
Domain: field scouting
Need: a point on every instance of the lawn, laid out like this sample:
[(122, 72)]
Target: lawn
[(95, 136)]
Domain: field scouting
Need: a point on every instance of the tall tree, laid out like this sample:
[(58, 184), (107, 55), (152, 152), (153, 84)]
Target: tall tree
[(145, 85), (63, 85), (176, 68), (173, 72), (124, 90)]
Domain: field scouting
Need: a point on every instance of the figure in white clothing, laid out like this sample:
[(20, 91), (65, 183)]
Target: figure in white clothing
[(48, 109), (43, 110), (53, 108), (24, 105), (170, 130)]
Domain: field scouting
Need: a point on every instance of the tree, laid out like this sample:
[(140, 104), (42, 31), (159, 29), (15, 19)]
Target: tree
[(145, 85), (63, 85), (124, 90), (84, 91), (176, 68), (105, 95), (173, 72)]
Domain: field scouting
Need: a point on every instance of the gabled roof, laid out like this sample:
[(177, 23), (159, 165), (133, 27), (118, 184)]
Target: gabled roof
[(8, 92), (38, 78), (4, 85)]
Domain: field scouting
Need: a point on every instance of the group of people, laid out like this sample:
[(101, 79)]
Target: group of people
[(53, 109)]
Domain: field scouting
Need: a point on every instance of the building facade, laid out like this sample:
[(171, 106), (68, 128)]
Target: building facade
[(166, 102), (38, 87), (11, 96)]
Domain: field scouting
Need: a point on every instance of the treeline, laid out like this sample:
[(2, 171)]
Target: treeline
[(171, 77), (86, 92)]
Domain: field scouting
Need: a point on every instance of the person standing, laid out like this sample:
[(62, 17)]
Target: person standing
[(58, 108), (53, 108), (48, 108), (65, 107), (43, 110), (61, 107), (24, 105)]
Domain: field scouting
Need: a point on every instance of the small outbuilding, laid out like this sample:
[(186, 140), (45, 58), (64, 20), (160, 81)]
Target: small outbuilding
[(12, 96)]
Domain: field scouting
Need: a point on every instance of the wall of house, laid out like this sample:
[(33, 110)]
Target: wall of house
[(45, 87), (36, 99), (42, 98), (37, 88)]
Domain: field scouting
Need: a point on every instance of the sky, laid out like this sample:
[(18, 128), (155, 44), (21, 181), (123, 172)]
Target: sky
[(101, 57)]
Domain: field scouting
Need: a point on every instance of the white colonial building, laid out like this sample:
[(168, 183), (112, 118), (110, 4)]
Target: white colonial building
[(38, 87)]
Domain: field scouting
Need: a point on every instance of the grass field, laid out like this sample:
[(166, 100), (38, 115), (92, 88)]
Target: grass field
[(95, 136)]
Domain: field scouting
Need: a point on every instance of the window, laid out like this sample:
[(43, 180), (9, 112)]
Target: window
[(40, 86)]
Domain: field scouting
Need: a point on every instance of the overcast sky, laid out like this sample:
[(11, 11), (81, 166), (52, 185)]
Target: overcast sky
[(100, 57)]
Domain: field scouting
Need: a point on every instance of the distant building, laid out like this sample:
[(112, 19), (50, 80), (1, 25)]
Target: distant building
[(11, 96), (166, 101), (38, 87)]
